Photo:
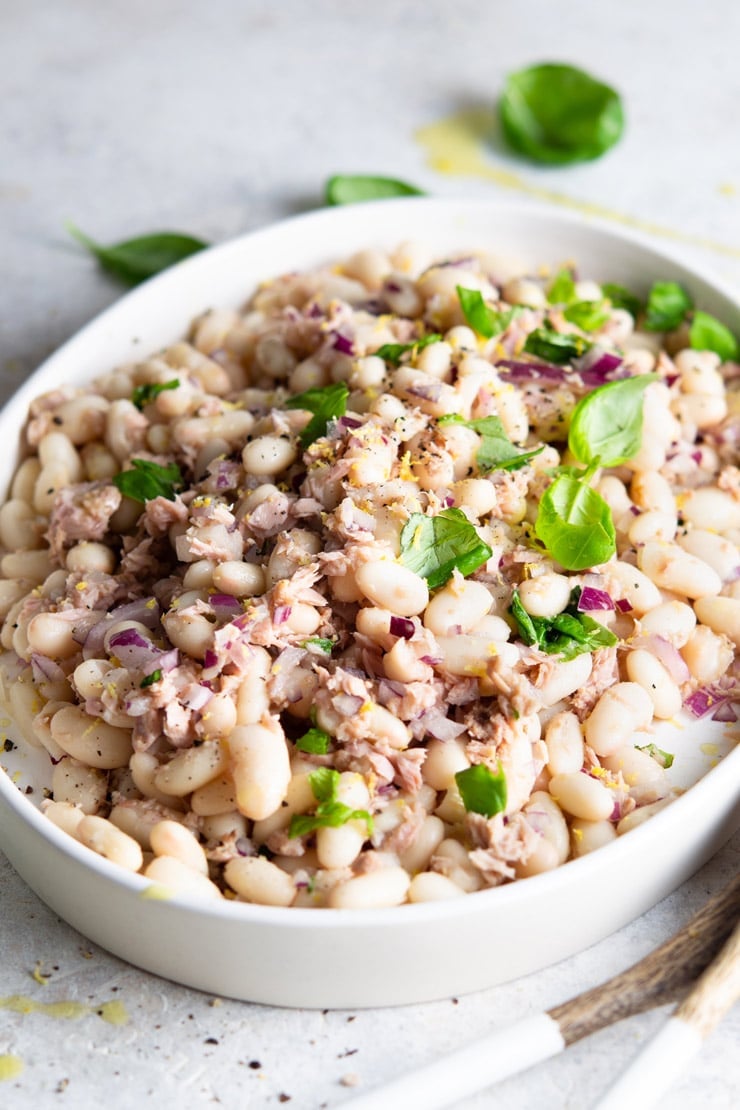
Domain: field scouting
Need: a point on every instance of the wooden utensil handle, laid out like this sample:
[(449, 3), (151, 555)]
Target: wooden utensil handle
[(716, 991)]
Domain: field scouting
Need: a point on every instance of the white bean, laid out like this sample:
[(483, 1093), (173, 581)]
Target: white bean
[(643, 668), (621, 710), (90, 739), (644, 776), (719, 553), (564, 679), (707, 655), (418, 855), (167, 871), (587, 836), (392, 586), (72, 781), (255, 879), (546, 818), (269, 455), (458, 606), (672, 568), (108, 841), (260, 766), (582, 796), (673, 620), (721, 614), (170, 838), (711, 508), (429, 886), (191, 769), (444, 759), (545, 595), (564, 740), (386, 887)]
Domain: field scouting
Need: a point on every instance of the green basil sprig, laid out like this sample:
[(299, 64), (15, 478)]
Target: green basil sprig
[(351, 188), (481, 790), (496, 451), (329, 813), (326, 403), (606, 425), (393, 352), (147, 480), (435, 546), (483, 319), (135, 260), (556, 113), (554, 346), (708, 334), (144, 394), (575, 524), (567, 634)]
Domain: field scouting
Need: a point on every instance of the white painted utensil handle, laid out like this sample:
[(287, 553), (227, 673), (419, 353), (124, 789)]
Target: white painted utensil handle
[(663, 1060), (470, 1069)]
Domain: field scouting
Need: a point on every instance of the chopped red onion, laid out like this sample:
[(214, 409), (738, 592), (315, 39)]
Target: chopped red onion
[(440, 726), (196, 697), (592, 599), (281, 614), (518, 371), (344, 344), (430, 392), (93, 645), (244, 846), (667, 654), (45, 669), (597, 366), (210, 659), (145, 610), (701, 702), (347, 704), (431, 660), (402, 626), (726, 713), (165, 662), (224, 605), (623, 605), (348, 422)]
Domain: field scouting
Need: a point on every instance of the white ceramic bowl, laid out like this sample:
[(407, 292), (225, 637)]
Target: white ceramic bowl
[(334, 958)]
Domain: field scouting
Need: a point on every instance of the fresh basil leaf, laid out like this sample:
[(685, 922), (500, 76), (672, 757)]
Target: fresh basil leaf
[(557, 113), (324, 782), (482, 791), (147, 480), (315, 741), (575, 524), (326, 404), (135, 260), (587, 315), (555, 347), (708, 334), (567, 634), (320, 643), (144, 394), (621, 297), (150, 679), (483, 319), (667, 306), (563, 288), (392, 352), (496, 451), (435, 546), (606, 424), (329, 812), (351, 188), (665, 759)]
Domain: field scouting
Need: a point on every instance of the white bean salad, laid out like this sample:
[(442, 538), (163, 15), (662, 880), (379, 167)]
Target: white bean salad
[(374, 591)]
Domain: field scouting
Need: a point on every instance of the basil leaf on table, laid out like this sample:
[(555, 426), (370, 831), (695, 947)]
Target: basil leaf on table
[(483, 319), (496, 451), (144, 394), (351, 188), (554, 346), (147, 480), (621, 297), (135, 260), (393, 352), (667, 306), (481, 790), (326, 403), (435, 546), (708, 334), (606, 425), (575, 524), (567, 634), (557, 113)]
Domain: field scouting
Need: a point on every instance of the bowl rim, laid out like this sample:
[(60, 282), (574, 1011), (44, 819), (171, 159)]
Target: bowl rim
[(575, 871)]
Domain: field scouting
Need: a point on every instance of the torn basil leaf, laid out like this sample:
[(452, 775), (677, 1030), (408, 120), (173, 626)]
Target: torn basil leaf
[(496, 451), (315, 741), (575, 524), (145, 394), (434, 546), (320, 643), (393, 352), (326, 403), (147, 480), (563, 288), (587, 315), (665, 759), (329, 813), (150, 679), (621, 297), (667, 306), (481, 790), (709, 334), (483, 319), (606, 425), (554, 346), (567, 634), (135, 260)]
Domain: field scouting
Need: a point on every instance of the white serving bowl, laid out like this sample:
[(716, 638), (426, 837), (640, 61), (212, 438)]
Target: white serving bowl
[(335, 958)]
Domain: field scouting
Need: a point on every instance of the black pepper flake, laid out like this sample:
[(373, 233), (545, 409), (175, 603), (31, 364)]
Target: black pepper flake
[(9, 746), (210, 1040), (255, 1065), (282, 1097)]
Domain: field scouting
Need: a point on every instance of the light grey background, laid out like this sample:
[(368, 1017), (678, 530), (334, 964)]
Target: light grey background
[(128, 117)]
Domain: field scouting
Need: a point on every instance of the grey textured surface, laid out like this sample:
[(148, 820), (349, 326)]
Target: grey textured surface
[(130, 116)]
